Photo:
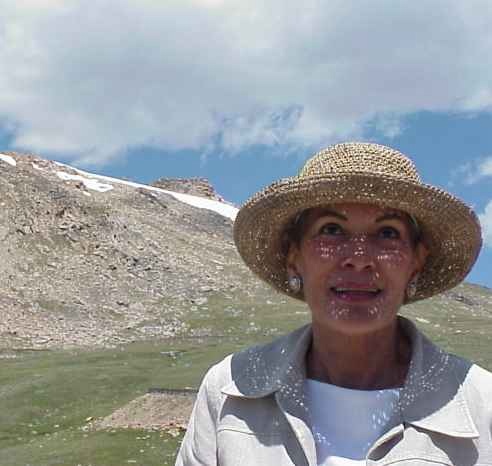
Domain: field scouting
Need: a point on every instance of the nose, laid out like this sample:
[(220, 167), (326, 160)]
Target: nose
[(358, 257)]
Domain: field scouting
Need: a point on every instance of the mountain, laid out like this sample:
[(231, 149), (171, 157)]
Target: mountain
[(94, 261), (90, 260)]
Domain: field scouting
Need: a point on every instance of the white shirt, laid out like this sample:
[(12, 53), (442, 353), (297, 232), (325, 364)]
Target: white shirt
[(345, 422)]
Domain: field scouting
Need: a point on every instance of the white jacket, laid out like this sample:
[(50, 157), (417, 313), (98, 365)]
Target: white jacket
[(250, 410)]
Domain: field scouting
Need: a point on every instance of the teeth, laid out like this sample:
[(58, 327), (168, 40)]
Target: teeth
[(341, 290)]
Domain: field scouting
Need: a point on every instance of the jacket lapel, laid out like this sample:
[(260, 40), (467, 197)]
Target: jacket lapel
[(433, 395), (279, 369)]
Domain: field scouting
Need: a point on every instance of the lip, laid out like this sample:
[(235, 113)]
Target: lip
[(356, 285), (361, 292)]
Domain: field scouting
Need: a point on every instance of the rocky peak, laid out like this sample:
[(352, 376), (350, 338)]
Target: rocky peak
[(194, 186)]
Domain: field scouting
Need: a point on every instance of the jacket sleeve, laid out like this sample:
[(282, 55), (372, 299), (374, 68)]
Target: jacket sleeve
[(199, 446)]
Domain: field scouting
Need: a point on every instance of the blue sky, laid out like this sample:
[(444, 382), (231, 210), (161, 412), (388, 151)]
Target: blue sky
[(439, 144), (243, 92)]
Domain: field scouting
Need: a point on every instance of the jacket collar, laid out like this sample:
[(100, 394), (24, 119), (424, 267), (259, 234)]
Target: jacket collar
[(260, 371), (432, 397)]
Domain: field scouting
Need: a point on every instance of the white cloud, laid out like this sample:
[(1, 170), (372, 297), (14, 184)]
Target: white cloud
[(472, 172), (486, 222), (92, 82), (485, 168)]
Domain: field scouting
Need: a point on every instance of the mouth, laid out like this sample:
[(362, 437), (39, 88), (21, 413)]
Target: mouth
[(355, 294)]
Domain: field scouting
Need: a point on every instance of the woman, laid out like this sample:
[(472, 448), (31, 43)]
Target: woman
[(355, 235)]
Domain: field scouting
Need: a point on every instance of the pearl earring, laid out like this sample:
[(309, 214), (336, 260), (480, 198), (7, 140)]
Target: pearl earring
[(295, 283), (412, 287)]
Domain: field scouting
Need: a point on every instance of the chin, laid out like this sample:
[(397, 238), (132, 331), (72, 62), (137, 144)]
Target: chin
[(354, 320)]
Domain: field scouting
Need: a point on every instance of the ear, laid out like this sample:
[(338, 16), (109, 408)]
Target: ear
[(292, 260), (421, 253)]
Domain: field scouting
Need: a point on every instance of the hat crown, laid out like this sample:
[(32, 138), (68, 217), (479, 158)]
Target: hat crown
[(363, 158)]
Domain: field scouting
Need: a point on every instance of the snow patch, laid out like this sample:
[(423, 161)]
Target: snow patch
[(89, 183), (221, 208), (7, 159), (226, 210)]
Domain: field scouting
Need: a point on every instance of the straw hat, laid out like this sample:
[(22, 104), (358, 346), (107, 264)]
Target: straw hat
[(363, 173)]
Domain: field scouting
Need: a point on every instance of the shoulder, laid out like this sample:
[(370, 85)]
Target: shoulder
[(475, 385), (254, 363), (475, 381), (478, 386)]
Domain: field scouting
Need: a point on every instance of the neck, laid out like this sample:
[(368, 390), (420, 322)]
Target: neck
[(376, 360)]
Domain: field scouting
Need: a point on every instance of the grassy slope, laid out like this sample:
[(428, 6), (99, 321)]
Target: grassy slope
[(46, 397)]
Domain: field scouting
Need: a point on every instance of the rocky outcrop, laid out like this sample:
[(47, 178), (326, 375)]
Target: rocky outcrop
[(194, 186)]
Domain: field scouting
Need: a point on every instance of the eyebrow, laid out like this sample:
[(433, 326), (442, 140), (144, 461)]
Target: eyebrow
[(387, 216), (390, 216), (332, 213)]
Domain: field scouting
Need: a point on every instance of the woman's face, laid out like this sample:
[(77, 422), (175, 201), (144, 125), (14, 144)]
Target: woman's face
[(355, 261)]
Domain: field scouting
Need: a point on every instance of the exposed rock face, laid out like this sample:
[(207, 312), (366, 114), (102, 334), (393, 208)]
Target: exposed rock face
[(195, 186), (97, 263)]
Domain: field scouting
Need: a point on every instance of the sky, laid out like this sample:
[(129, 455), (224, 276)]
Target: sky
[(242, 93)]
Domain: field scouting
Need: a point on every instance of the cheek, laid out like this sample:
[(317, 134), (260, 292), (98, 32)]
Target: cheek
[(395, 265), (325, 249), (394, 257)]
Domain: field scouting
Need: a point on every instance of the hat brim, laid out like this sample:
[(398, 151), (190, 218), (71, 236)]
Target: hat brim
[(450, 229)]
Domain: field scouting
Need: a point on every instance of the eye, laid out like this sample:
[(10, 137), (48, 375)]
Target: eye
[(331, 229), (389, 233)]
